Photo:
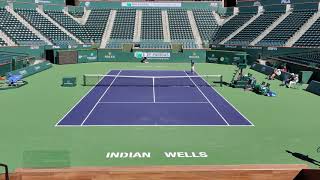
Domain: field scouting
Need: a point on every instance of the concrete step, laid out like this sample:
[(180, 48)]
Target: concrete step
[(27, 25), (165, 25), (304, 28), (240, 28), (270, 28), (40, 11), (137, 26), (107, 31), (6, 39), (195, 29)]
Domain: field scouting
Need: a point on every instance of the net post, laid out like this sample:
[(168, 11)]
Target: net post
[(84, 80), (221, 80)]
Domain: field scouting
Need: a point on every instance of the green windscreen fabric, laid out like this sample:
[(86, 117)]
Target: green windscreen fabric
[(314, 87), (28, 71), (4, 68), (305, 76)]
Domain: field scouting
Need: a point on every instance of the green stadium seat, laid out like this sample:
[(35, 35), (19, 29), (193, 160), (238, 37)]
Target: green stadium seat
[(151, 24), (96, 23), (311, 38), (20, 34), (254, 29), (2, 42), (206, 22), (124, 23), (180, 28), (70, 25), (44, 26), (286, 29), (232, 25), (76, 12)]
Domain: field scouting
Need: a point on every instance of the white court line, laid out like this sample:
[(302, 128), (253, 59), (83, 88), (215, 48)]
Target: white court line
[(154, 92), (82, 125), (74, 126), (100, 99), (230, 105), (207, 99), (153, 102), (57, 124)]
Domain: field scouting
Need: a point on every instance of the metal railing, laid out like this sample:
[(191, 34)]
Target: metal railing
[(6, 170)]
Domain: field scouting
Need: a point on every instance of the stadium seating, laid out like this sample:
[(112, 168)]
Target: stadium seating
[(77, 13), (286, 29), (254, 29), (152, 35), (311, 38), (180, 28), (310, 58), (49, 30), (70, 25), (151, 24), (232, 25), (155, 45), (2, 42), (20, 34), (96, 23), (124, 23), (206, 22)]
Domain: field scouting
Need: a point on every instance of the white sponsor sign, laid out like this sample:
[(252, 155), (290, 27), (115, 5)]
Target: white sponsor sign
[(285, 1), (42, 2), (152, 55), (150, 4)]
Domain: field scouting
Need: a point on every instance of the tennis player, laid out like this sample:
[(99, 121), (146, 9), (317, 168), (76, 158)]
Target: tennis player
[(144, 60), (192, 66)]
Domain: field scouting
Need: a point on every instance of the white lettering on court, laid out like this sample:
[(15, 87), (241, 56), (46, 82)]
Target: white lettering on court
[(137, 155), (185, 154)]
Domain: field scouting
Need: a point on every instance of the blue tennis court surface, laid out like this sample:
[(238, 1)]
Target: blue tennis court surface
[(152, 102)]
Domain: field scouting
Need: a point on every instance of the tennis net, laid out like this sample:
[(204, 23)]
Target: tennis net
[(121, 80)]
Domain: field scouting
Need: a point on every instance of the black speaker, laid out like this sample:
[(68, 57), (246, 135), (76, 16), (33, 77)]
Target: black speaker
[(137, 45)]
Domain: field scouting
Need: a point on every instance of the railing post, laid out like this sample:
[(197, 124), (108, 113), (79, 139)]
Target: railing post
[(6, 170)]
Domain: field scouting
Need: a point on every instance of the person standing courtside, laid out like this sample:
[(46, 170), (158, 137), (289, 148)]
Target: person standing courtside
[(192, 66)]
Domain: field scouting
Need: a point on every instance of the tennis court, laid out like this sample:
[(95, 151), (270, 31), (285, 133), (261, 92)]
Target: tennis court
[(152, 98)]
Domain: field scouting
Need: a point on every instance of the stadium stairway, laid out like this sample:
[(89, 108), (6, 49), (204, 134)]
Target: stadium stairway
[(96, 23), (65, 11), (228, 19), (240, 28), (26, 24), (107, 32), (304, 28), (40, 11), (180, 27), (207, 25), (137, 26), (2, 42), (124, 24), (194, 28), (270, 28), (165, 25), (85, 16), (254, 29), (219, 20), (5, 40), (280, 35)]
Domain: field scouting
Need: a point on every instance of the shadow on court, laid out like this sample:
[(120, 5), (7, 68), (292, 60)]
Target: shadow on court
[(304, 157)]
